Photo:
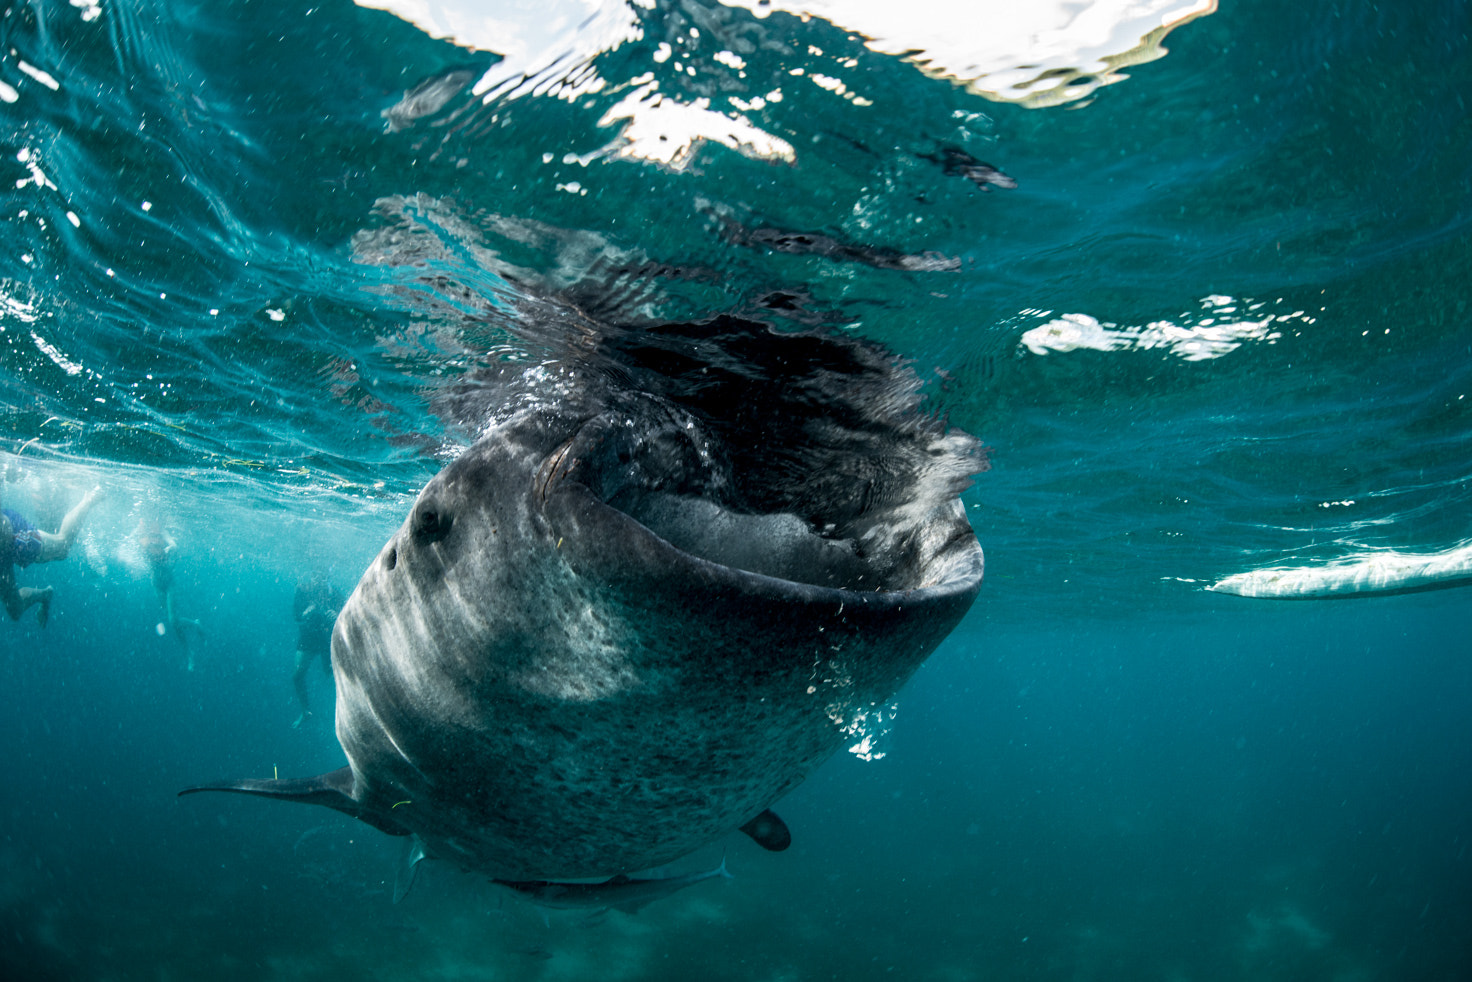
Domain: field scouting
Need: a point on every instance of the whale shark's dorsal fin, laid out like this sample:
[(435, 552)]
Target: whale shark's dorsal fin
[(333, 790), (768, 831)]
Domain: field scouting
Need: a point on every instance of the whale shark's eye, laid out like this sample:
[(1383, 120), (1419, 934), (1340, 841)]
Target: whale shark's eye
[(430, 523), (391, 558)]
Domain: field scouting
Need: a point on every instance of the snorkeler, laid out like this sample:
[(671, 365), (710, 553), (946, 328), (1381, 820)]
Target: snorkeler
[(22, 544), (159, 548), (315, 606)]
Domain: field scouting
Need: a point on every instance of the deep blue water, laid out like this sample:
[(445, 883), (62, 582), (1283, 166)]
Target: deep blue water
[(230, 289)]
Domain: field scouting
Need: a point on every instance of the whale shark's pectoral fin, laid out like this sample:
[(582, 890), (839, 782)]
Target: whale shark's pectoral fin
[(768, 831), (409, 862), (333, 790)]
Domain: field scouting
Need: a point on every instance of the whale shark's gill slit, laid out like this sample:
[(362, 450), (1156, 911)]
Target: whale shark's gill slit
[(552, 469)]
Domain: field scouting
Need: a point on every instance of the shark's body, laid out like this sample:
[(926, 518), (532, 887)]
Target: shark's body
[(669, 579)]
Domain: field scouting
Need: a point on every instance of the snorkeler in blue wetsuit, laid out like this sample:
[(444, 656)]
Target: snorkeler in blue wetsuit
[(23, 544)]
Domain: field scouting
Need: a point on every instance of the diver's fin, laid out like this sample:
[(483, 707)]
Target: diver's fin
[(768, 831), (333, 790), (409, 862)]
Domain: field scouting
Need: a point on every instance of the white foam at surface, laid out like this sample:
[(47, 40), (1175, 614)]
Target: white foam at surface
[(1034, 54), (1196, 339), (1374, 572), (1013, 52)]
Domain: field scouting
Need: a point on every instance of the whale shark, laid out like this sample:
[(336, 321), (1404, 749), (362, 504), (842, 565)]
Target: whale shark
[(679, 566)]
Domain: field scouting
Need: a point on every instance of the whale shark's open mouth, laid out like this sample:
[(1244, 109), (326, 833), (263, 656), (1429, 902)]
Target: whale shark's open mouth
[(795, 456), (779, 545)]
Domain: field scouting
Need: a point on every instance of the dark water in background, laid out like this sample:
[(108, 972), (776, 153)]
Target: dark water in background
[(1105, 773)]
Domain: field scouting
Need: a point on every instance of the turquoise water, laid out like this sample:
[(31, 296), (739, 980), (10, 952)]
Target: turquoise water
[(1219, 324)]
